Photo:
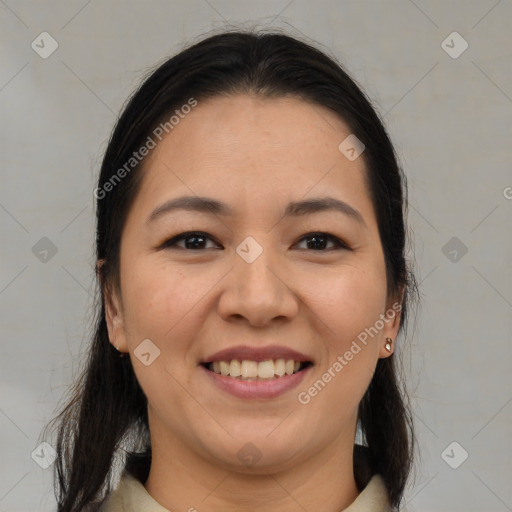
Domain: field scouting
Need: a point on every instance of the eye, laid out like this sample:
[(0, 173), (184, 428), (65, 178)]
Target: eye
[(319, 241), (197, 240), (193, 240)]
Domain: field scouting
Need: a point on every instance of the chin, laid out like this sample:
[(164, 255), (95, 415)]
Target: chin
[(258, 453)]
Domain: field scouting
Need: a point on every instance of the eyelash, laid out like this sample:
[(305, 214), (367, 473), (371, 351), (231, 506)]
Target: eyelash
[(171, 243)]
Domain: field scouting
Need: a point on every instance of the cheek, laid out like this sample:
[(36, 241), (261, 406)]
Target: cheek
[(148, 296), (333, 398), (159, 305), (160, 302), (346, 304), (347, 301)]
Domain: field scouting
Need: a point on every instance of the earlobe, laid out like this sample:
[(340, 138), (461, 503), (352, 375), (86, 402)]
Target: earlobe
[(113, 312), (387, 348), (115, 324), (390, 332)]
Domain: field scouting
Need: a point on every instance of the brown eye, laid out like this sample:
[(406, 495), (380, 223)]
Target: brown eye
[(319, 242), (192, 240)]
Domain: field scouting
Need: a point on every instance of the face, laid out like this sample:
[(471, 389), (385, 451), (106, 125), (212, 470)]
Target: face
[(263, 281)]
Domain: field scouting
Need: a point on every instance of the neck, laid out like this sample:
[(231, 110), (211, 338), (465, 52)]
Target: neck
[(180, 479)]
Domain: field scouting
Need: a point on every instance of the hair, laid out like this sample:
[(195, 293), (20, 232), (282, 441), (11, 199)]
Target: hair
[(105, 419)]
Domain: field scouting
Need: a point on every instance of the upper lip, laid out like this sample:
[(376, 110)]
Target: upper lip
[(258, 354)]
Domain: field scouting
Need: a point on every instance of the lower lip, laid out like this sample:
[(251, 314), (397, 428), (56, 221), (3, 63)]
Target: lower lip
[(257, 388)]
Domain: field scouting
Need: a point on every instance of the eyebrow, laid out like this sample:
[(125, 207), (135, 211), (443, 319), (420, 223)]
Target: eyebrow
[(293, 209)]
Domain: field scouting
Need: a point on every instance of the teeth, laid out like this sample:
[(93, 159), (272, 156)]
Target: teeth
[(266, 369), (224, 368), (279, 367), (249, 369), (253, 370), (235, 368)]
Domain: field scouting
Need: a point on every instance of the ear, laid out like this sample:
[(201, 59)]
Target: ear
[(113, 314), (392, 317)]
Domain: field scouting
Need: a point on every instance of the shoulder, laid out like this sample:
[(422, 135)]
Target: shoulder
[(373, 498), (131, 496), (114, 502)]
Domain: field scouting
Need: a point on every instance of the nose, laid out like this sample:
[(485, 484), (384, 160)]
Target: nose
[(258, 292)]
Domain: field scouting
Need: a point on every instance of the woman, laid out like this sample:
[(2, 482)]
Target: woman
[(250, 255)]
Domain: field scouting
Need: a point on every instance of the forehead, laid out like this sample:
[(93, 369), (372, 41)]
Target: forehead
[(255, 150)]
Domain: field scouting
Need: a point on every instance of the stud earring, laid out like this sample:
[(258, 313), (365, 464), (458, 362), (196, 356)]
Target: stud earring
[(388, 344), (119, 353)]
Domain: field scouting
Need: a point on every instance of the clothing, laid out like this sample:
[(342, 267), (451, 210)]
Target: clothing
[(131, 496)]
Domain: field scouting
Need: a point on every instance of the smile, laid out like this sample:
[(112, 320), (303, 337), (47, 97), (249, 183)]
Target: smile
[(249, 370), (262, 372)]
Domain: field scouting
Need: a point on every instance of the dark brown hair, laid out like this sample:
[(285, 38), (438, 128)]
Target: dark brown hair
[(106, 418)]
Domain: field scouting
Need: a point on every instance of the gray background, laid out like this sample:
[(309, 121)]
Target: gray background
[(451, 121)]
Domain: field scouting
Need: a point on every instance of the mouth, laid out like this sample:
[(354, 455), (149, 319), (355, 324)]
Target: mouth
[(250, 370)]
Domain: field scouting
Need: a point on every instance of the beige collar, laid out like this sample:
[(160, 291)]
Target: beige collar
[(131, 496)]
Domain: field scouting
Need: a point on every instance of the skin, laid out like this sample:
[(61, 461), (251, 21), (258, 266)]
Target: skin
[(256, 155)]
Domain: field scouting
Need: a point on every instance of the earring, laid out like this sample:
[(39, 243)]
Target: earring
[(388, 344), (119, 353)]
